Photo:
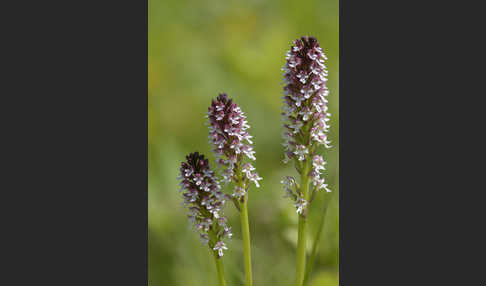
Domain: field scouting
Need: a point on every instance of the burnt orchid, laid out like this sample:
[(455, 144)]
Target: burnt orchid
[(228, 133), (204, 200), (306, 124)]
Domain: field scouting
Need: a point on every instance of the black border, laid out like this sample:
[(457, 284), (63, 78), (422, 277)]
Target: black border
[(77, 181)]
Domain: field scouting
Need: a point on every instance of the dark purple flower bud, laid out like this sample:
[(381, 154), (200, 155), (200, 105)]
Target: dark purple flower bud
[(204, 200)]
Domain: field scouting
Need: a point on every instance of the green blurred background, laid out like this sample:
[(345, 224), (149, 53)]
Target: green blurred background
[(197, 49)]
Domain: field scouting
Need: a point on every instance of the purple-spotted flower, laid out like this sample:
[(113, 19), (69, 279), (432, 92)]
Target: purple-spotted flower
[(204, 200), (228, 133), (305, 116)]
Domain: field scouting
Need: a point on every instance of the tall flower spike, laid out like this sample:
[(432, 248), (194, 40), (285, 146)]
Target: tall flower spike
[(306, 122), (305, 113), (204, 201), (228, 133)]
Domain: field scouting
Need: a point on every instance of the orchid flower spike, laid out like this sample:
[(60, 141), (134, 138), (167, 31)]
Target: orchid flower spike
[(204, 200), (228, 133), (305, 115)]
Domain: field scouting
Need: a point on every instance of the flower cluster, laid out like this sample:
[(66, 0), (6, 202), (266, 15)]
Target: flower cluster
[(315, 174), (228, 132), (305, 112), (204, 200)]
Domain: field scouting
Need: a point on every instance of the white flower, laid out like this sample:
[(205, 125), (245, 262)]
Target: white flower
[(227, 232), (188, 172), (302, 76), (215, 212), (300, 204), (320, 184), (220, 246), (248, 151), (298, 100), (255, 178), (198, 179), (300, 151), (205, 186), (247, 168), (207, 201), (306, 113), (307, 91), (318, 163)]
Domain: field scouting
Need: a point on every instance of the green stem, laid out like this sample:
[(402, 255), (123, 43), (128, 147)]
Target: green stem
[(300, 267), (219, 267), (245, 229), (316, 241)]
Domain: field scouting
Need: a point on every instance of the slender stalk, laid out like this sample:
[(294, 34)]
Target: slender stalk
[(219, 267), (245, 229), (312, 257), (301, 253)]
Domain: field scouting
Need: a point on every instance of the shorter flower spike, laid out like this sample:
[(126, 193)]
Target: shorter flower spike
[(204, 200), (228, 133)]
